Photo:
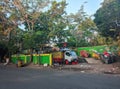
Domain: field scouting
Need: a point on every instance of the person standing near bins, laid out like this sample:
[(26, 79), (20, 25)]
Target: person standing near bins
[(7, 59)]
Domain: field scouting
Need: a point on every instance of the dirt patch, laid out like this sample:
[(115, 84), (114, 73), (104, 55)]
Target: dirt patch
[(93, 61), (92, 68)]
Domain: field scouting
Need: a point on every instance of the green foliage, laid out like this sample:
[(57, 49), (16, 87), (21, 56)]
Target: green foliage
[(107, 18), (43, 26), (58, 24), (82, 28), (28, 40), (52, 23)]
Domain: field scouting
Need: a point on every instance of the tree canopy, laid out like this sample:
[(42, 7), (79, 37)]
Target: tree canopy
[(107, 18), (27, 24)]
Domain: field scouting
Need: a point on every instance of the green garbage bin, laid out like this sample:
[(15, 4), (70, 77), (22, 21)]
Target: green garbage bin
[(14, 59), (35, 58), (24, 58), (45, 59), (27, 59)]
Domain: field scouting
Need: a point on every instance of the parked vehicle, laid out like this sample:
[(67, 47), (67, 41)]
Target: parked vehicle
[(65, 57), (107, 57)]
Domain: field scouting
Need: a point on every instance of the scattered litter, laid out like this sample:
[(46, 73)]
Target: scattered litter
[(82, 71), (45, 65)]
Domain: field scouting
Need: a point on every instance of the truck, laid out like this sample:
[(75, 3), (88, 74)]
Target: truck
[(65, 57)]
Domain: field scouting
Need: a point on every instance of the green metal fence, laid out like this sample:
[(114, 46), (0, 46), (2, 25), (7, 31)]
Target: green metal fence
[(90, 50)]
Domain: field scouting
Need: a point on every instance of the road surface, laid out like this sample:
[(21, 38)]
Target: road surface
[(47, 78)]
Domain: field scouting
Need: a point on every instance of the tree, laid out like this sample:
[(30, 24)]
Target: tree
[(15, 13), (52, 23), (58, 14), (107, 18), (81, 28), (28, 11)]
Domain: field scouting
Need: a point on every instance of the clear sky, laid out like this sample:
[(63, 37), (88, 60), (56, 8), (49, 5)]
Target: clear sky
[(90, 7)]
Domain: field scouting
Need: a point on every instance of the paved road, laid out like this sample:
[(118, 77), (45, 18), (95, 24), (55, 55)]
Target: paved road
[(27, 78)]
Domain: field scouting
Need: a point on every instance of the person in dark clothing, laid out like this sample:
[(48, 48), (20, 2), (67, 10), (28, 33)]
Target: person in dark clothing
[(2, 54)]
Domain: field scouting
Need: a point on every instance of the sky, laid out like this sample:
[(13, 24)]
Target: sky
[(90, 7)]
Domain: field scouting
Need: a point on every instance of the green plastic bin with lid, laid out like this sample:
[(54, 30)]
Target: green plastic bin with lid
[(27, 59), (14, 59), (24, 58), (36, 58), (45, 59)]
